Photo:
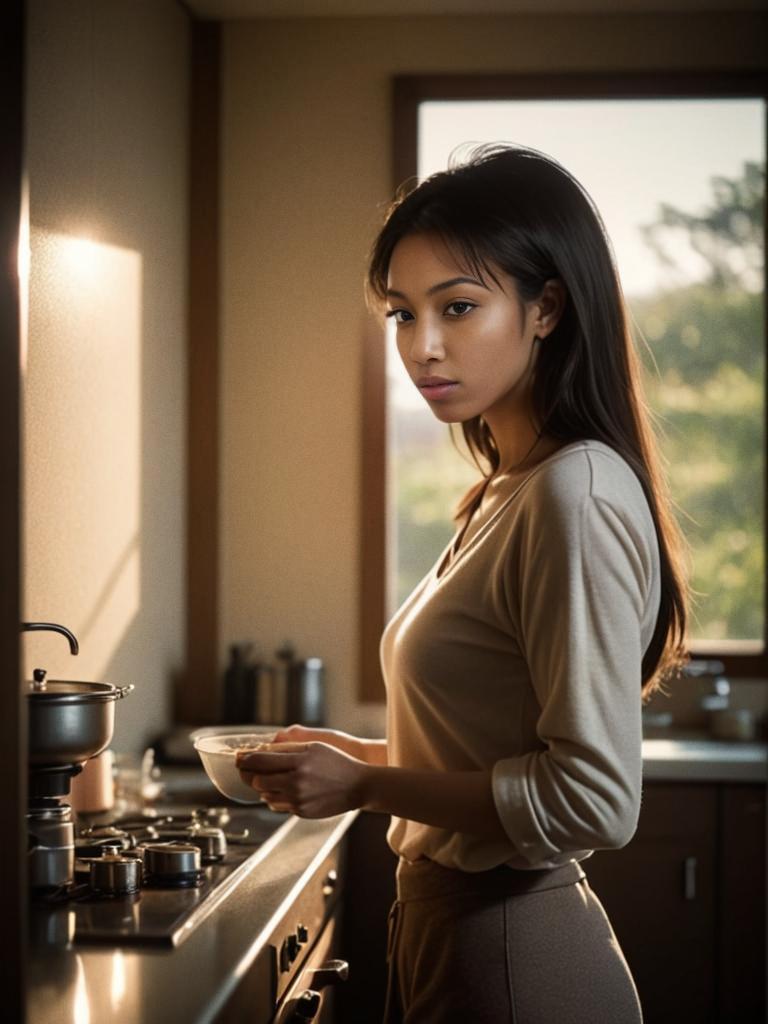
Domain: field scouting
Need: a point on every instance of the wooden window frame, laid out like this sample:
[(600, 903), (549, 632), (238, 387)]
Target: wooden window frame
[(408, 92)]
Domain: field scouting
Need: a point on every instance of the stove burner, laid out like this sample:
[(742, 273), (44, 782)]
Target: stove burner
[(61, 894), (205, 855), (115, 875), (172, 865), (216, 817), (128, 837), (93, 840)]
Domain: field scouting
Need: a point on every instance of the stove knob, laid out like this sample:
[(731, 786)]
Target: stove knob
[(303, 933), (306, 1006), (289, 951)]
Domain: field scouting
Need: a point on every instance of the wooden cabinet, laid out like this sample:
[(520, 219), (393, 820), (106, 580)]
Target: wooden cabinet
[(686, 898)]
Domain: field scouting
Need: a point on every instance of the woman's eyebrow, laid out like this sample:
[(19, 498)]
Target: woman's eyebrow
[(441, 286)]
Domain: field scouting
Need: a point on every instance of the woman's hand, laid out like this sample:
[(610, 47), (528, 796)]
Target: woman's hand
[(310, 779)]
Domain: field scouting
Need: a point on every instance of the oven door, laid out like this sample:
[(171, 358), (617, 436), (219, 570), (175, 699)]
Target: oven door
[(311, 995)]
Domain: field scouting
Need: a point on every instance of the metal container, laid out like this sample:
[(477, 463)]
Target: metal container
[(51, 845), (115, 874), (164, 860), (306, 692), (69, 721), (210, 840)]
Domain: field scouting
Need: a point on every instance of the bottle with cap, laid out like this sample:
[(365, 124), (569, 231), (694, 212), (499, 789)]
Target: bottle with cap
[(306, 692), (281, 674), (240, 698)]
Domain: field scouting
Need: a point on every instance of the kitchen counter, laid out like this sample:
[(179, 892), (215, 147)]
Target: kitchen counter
[(79, 984), (695, 756)]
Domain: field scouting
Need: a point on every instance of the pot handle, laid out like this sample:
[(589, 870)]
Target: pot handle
[(123, 691)]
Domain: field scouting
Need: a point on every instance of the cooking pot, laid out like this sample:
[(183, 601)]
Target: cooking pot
[(69, 721)]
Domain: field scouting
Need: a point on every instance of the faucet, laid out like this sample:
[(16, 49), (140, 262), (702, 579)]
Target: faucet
[(29, 627), (719, 696)]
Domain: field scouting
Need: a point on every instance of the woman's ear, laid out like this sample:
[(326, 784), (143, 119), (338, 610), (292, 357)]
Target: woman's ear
[(551, 304)]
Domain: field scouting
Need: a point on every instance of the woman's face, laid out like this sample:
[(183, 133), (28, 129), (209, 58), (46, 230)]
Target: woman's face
[(467, 346)]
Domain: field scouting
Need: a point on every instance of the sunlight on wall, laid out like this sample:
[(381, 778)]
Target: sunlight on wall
[(22, 266), (83, 429)]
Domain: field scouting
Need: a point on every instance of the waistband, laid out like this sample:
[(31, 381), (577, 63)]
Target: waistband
[(424, 878)]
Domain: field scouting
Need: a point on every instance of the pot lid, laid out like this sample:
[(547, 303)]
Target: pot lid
[(69, 691)]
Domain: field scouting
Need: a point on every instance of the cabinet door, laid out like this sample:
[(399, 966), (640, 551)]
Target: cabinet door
[(659, 893), (741, 904)]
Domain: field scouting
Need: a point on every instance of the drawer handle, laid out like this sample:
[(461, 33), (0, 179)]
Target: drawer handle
[(689, 876), (330, 882)]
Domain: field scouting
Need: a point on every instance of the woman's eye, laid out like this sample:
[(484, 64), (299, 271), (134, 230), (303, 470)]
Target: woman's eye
[(459, 308), (399, 315)]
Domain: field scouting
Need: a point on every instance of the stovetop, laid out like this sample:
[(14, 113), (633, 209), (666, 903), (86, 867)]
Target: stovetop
[(162, 916)]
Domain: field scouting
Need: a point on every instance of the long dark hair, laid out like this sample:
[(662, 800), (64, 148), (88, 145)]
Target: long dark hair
[(518, 210)]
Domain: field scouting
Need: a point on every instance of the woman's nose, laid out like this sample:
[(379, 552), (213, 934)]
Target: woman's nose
[(426, 342)]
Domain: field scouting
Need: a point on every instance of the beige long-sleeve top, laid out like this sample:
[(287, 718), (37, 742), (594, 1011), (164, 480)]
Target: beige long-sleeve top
[(523, 657)]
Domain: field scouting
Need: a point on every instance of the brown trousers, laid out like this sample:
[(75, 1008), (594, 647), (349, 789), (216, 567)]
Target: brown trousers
[(503, 947)]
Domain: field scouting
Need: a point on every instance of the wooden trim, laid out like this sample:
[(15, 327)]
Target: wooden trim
[(13, 724), (411, 90), (196, 698), (408, 91), (373, 507)]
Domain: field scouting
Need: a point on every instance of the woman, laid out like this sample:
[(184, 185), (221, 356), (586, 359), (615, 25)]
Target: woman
[(516, 670)]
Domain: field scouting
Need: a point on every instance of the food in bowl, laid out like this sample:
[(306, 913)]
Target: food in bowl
[(217, 751)]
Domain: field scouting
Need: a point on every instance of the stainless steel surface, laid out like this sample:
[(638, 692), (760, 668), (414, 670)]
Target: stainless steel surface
[(695, 757), (232, 941)]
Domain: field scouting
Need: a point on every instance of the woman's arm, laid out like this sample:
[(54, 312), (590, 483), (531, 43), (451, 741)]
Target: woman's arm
[(315, 780), (369, 751), (457, 801)]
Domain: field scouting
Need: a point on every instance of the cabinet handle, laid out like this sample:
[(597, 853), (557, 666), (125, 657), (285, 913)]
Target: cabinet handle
[(331, 972), (689, 876)]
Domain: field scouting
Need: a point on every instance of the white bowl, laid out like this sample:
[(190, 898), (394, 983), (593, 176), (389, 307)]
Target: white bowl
[(233, 730), (217, 749)]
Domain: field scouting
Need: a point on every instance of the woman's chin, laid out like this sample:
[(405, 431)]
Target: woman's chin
[(447, 416)]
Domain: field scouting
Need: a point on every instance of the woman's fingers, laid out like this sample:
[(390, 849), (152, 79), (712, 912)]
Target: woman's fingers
[(291, 732), (270, 757), (309, 779)]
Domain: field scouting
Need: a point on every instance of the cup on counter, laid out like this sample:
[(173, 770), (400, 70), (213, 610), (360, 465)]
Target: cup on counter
[(93, 789), (136, 782)]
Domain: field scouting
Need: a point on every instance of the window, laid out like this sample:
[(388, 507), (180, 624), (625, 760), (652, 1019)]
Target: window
[(677, 170)]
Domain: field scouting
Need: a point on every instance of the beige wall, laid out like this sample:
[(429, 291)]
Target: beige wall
[(306, 165), (105, 373)]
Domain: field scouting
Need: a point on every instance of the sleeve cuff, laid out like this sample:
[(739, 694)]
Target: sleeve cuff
[(516, 813)]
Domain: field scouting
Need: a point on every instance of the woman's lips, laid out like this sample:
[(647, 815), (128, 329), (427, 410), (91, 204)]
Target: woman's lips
[(436, 387)]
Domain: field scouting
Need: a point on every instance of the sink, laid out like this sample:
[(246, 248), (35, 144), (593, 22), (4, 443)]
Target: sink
[(690, 758)]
